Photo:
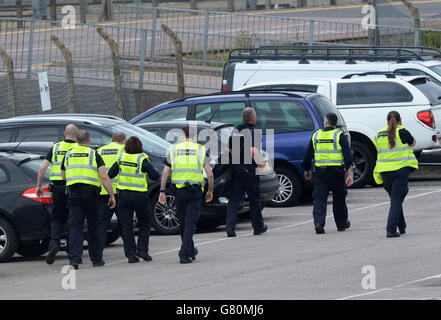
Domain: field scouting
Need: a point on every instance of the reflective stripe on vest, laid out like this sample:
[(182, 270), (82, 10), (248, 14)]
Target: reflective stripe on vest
[(327, 149), (187, 163), (392, 159), (81, 167), (59, 151), (110, 154), (130, 175)]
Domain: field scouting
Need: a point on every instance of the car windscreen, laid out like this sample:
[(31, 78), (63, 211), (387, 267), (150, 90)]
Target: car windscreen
[(436, 68), (151, 144), (31, 168), (324, 106), (431, 90)]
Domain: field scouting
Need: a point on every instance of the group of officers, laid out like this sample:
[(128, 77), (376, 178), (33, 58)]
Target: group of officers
[(85, 182)]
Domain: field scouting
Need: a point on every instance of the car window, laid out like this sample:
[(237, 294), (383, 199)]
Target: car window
[(415, 72), (3, 175), (371, 93), (5, 135), (429, 89), (97, 138), (283, 116), (324, 106), (39, 134), (31, 168), (172, 113), (229, 112)]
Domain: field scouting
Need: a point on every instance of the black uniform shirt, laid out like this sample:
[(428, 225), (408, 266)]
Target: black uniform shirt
[(406, 137), (242, 143), (344, 144), (145, 168)]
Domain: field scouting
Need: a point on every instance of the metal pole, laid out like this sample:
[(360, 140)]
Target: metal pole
[(153, 44), (311, 32), (31, 46), (207, 21), (417, 37), (377, 32), (142, 59)]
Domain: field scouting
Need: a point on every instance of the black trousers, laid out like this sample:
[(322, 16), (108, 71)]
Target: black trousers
[(128, 203), (59, 215), (244, 179), (325, 181), (396, 185), (84, 204), (106, 215), (188, 205)]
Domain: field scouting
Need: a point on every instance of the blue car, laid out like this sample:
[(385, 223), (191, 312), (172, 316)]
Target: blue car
[(294, 116)]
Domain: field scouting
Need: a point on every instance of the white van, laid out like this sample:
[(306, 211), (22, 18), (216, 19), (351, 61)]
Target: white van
[(250, 66), (364, 102)]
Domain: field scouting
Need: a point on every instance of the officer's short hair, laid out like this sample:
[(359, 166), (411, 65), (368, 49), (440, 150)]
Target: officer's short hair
[(83, 137), (71, 130), (188, 132), (332, 119), (248, 115), (119, 137)]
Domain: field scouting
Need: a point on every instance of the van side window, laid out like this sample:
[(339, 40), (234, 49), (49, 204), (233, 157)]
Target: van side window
[(173, 113), (229, 112), (5, 135), (372, 92), (39, 134), (283, 116)]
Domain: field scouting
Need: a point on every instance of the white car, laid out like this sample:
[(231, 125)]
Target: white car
[(251, 66), (364, 102)]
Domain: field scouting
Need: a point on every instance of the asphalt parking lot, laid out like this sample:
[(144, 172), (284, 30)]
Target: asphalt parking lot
[(288, 262)]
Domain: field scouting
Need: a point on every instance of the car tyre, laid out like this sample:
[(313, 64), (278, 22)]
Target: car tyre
[(164, 218), (8, 240), (364, 161), (33, 249), (290, 188)]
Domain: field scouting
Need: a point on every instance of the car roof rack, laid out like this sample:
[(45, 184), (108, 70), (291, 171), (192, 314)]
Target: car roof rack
[(245, 93), (348, 53), (48, 115), (389, 75)]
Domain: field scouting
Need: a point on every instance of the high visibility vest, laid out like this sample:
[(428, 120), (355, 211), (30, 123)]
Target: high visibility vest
[(59, 151), (327, 149), (393, 159), (130, 175), (81, 167), (110, 154), (187, 164)]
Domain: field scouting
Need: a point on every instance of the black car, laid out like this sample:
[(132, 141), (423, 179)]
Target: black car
[(31, 131)]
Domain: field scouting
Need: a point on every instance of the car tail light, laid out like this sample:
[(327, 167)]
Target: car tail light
[(426, 117), (224, 89), (46, 197)]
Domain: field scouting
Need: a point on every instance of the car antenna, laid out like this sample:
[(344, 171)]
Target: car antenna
[(246, 82), (16, 147), (211, 117)]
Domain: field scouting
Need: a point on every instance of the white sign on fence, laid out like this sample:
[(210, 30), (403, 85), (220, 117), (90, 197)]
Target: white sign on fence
[(45, 96)]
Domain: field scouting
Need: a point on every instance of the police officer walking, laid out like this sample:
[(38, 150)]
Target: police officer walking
[(395, 160), (133, 166), (187, 161), (110, 153), (330, 149), (244, 178), (60, 210), (83, 168)]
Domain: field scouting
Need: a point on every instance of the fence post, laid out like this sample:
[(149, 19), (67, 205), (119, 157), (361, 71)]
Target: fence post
[(7, 61), (31, 45), (417, 37), (69, 72), (207, 21), (142, 58), (311, 32), (116, 70), (154, 24), (179, 59)]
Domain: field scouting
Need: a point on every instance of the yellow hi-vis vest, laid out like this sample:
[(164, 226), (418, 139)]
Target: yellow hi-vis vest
[(59, 151), (393, 159), (81, 167), (187, 164), (130, 175), (110, 154), (327, 149)]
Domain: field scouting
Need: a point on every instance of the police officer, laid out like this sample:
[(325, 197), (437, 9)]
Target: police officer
[(395, 160), (110, 153), (133, 166), (60, 210), (187, 160), (246, 157), (83, 168), (330, 149)]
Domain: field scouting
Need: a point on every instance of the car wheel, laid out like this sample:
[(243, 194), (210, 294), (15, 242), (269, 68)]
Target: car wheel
[(33, 249), (113, 236), (165, 219), (364, 161), (8, 240), (290, 188)]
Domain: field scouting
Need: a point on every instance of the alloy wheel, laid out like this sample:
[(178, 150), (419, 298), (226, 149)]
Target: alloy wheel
[(166, 214), (3, 240), (285, 189)]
